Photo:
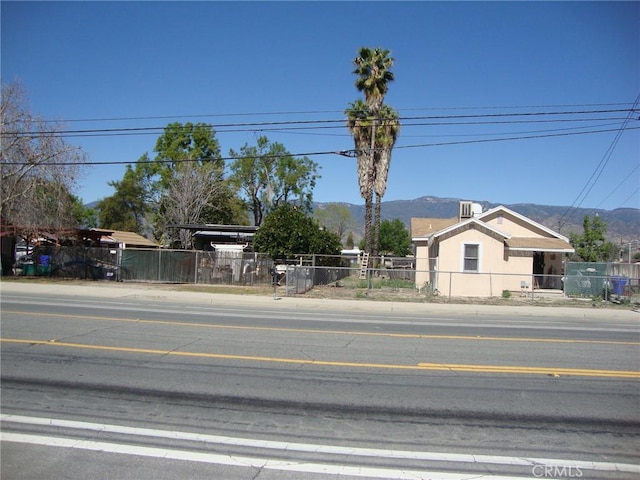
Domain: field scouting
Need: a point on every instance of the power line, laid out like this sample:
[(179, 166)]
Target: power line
[(298, 129), (306, 123), (630, 196), (619, 185), (248, 114), (600, 167), (525, 137), (353, 152)]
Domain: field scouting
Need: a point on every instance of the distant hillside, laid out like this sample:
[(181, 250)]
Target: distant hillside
[(623, 223)]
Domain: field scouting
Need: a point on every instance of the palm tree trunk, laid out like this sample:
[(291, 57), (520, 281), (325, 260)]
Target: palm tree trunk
[(376, 227), (368, 206), (371, 178)]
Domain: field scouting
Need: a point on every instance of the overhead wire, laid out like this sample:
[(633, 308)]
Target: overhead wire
[(346, 152), (246, 114), (338, 123), (595, 176), (615, 189), (631, 196), (308, 126)]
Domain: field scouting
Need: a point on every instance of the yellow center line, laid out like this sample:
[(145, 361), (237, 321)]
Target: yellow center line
[(420, 366), (329, 332)]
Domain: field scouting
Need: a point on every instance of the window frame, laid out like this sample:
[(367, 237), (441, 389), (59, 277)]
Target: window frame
[(465, 257)]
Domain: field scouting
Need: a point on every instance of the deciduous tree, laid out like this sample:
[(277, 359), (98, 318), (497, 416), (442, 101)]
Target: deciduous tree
[(335, 217), (38, 168), (394, 238), (288, 231), (591, 245), (189, 192), (267, 176), (128, 207), (38, 173)]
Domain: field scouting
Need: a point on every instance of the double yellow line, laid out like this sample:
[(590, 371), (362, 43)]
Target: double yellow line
[(549, 371)]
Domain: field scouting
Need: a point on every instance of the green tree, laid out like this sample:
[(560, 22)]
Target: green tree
[(591, 245), (87, 217), (128, 207), (180, 143), (267, 176), (185, 182), (187, 151), (350, 242), (335, 217), (394, 238), (288, 231)]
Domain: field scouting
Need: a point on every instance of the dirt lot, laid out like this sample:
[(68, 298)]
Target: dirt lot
[(355, 291), (412, 295)]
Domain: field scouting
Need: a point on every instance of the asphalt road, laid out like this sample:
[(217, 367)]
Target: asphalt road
[(120, 383)]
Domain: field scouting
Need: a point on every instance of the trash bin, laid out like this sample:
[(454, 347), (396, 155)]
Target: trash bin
[(44, 265), (28, 268), (618, 285)]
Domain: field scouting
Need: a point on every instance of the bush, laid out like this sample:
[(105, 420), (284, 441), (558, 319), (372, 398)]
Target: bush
[(506, 294)]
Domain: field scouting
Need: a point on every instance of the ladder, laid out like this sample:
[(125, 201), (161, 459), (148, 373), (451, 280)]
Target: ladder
[(364, 265)]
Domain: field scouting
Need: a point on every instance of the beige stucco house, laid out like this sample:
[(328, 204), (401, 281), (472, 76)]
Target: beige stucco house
[(481, 254)]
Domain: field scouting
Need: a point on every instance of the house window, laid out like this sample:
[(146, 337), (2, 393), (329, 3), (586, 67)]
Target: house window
[(471, 257)]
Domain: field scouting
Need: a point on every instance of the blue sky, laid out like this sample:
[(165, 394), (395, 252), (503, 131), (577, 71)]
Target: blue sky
[(259, 62)]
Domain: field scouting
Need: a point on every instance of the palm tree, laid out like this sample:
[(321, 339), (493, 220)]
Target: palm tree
[(359, 122), (374, 74), (387, 134)]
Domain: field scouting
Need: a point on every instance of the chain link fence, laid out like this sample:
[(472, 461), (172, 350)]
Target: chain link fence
[(236, 267)]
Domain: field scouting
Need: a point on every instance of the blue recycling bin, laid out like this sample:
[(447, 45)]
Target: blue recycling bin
[(44, 265), (618, 284)]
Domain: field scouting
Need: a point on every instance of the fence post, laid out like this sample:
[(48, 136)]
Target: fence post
[(195, 269), (533, 285), (490, 285)]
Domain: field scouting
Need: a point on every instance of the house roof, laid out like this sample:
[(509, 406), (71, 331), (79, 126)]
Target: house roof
[(432, 228), (539, 244), (424, 227), (502, 208), (470, 221)]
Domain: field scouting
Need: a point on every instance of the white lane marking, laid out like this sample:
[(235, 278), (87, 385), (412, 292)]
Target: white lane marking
[(240, 461), (328, 449)]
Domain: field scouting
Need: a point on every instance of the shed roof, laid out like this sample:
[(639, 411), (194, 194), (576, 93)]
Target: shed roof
[(127, 238)]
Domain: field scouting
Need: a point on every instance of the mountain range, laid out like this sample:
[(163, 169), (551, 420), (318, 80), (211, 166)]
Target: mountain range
[(623, 224)]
